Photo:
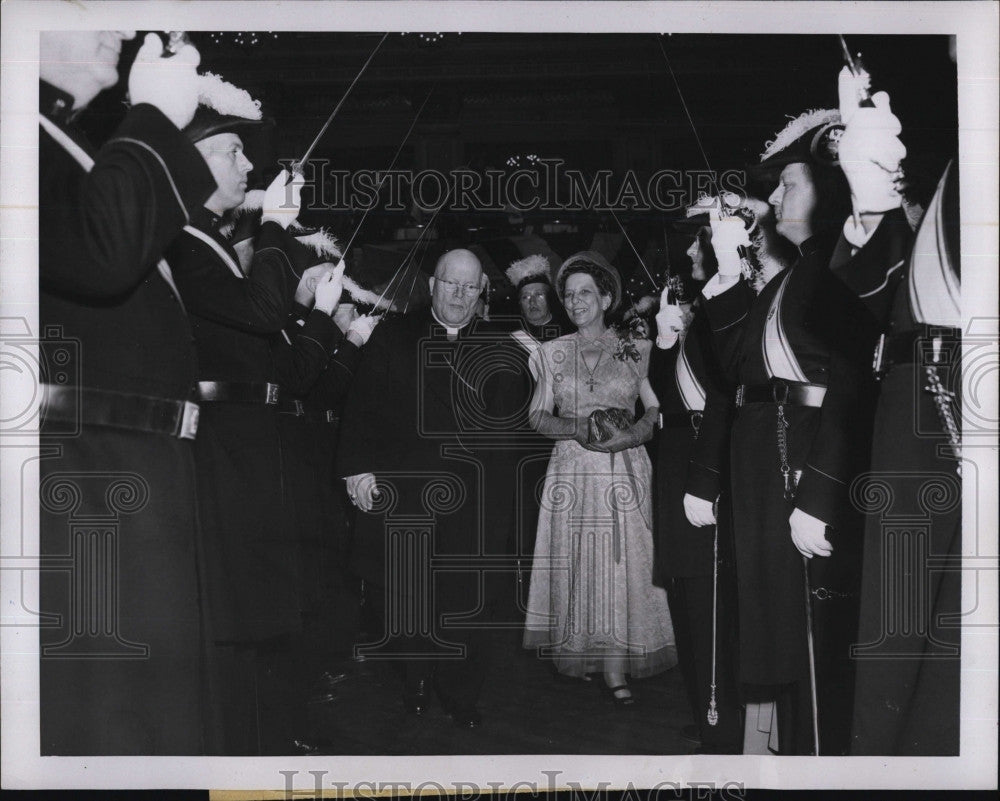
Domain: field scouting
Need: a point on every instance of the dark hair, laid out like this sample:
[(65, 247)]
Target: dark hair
[(605, 284), (709, 262), (833, 197)]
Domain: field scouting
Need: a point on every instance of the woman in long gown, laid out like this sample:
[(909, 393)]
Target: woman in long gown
[(592, 605)]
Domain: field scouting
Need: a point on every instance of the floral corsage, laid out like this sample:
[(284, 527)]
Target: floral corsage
[(630, 331)]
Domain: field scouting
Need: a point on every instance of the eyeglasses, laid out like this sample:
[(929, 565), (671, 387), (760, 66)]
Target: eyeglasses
[(460, 289)]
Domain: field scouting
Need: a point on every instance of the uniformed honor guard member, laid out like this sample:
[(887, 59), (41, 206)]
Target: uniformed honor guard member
[(695, 564), (907, 656), (800, 351), (251, 560), (119, 411)]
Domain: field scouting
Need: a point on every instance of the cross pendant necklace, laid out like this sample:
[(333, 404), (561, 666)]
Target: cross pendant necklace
[(591, 381)]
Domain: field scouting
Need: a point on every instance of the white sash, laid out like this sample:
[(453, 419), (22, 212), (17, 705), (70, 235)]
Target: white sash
[(87, 162), (779, 358), (935, 292), (221, 251), (690, 388)]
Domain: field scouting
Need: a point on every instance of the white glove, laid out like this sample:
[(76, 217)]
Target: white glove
[(670, 322), (728, 234), (362, 490), (698, 511), (282, 199), (305, 292), (809, 534), (329, 289), (362, 327), (170, 84), (870, 150)]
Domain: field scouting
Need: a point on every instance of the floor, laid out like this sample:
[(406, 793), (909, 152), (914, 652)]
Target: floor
[(526, 710)]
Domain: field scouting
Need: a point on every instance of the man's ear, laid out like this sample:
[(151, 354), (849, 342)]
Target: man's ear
[(430, 284)]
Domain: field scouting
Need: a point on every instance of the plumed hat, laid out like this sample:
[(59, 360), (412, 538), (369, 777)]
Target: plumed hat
[(595, 259), (223, 108), (811, 138), (529, 270)]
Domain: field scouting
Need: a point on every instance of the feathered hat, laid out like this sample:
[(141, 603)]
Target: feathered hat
[(223, 108), (316, 245), (529, 270), (812, 138)]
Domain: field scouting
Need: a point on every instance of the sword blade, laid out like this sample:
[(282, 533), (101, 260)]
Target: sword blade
[(301, 162)]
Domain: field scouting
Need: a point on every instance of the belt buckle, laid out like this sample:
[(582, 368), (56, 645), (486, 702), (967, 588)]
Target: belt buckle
[(739, 394), (300, 408), (331, 417), (189, 421), (779, 391), (271, 398)]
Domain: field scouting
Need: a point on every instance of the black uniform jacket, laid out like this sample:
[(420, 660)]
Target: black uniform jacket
[(247, 519), (102, 233), (110, 321), (687, 462)]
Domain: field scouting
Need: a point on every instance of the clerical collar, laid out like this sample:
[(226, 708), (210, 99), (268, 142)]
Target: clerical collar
[(541, 332), (55, 104), (451, 330)]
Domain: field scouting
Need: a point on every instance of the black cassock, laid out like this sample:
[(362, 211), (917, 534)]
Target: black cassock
[(420, 417), (120, 665), (692, 457), (820, 325), (908, 665)]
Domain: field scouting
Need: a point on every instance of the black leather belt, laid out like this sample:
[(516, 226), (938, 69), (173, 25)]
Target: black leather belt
[(681, 419), (291, 406), (239, 392), (907, 347), (100, 407), (779, 390)]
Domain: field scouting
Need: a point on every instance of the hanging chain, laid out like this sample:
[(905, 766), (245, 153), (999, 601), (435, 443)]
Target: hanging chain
[(786, 471), (943, 400)]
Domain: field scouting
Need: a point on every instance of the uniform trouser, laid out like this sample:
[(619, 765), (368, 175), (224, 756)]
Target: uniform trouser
[(455, 658), (690, 600), (257, 697), (121, 667)]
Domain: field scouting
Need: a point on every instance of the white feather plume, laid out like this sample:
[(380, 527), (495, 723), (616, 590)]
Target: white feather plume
[(526, 267), (322, 242), (798, 126), (225, 98)]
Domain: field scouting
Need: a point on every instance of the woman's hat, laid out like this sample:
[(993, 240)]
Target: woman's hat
[(594, 258)]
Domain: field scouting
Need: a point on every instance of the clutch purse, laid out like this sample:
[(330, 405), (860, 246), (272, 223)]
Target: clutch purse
[(603, 423)]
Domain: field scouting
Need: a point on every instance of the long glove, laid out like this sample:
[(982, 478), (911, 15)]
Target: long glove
[(639, 432), (870, 150), (728, 234), (170, 84), (554, 427)]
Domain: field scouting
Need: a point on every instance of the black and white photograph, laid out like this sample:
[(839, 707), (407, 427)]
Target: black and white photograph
[(488, 395)]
